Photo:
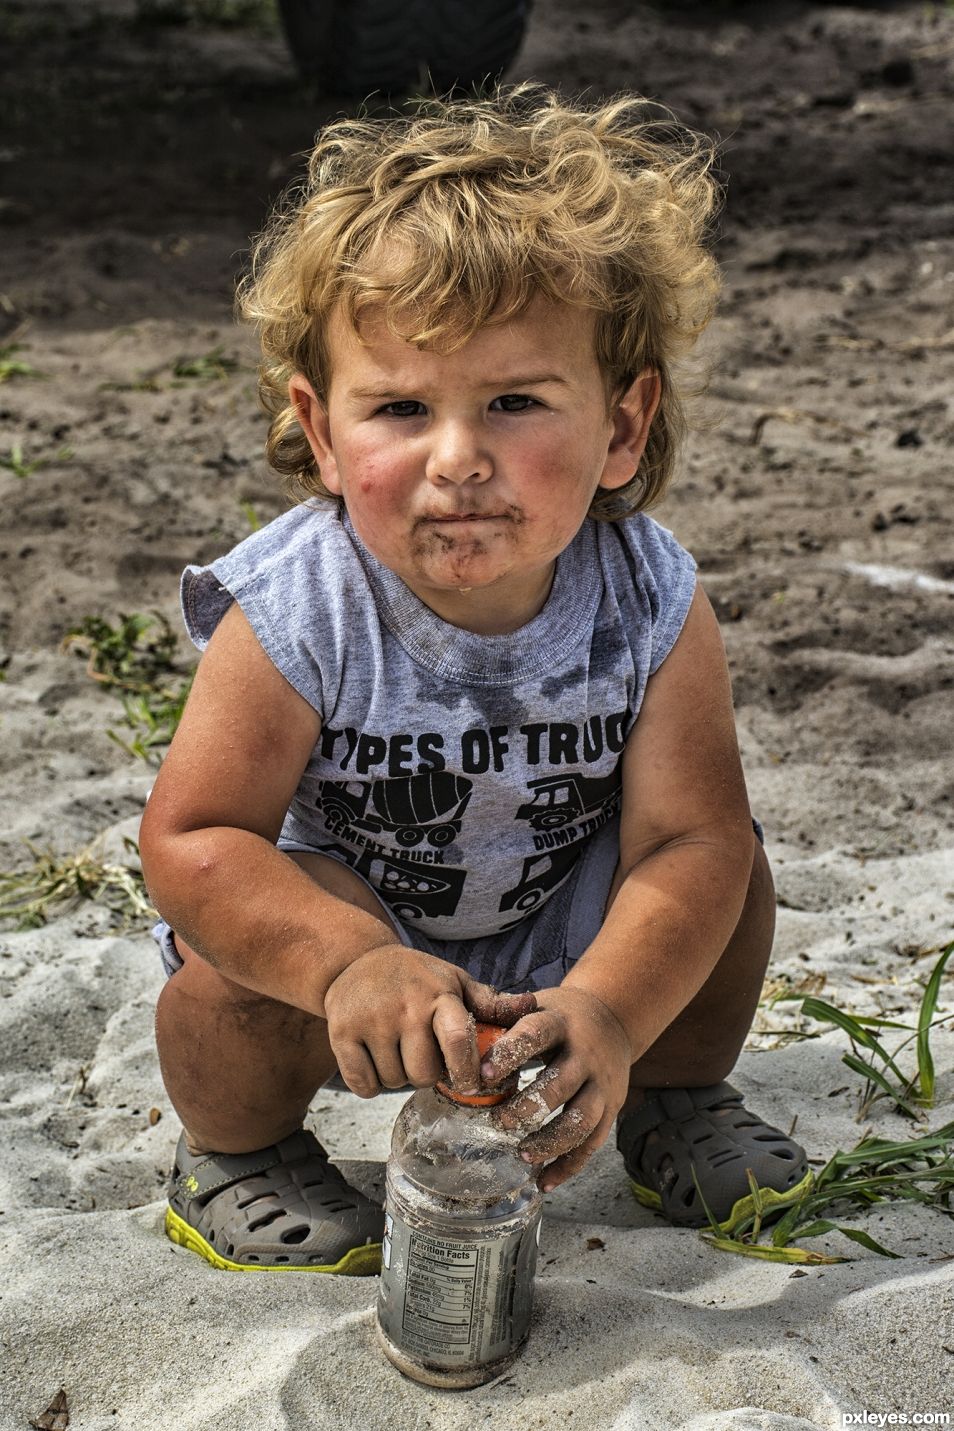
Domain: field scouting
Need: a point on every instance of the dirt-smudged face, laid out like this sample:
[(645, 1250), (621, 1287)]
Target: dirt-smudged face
[(467, 473)]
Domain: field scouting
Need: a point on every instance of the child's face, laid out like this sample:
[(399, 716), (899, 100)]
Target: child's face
[(467, 473)]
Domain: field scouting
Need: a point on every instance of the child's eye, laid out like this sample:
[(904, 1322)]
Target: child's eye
[(516, 402), (404, 408)]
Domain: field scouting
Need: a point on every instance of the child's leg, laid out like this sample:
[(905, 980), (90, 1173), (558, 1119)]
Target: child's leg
[(702, 1044), (683, 1131), (251, 1188), (240, 1068)]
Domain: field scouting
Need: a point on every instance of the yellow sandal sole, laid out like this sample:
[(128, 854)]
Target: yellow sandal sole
[(357, 1262)]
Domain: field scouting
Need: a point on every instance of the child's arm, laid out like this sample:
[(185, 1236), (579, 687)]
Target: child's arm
[(686, 849), (208, 851)]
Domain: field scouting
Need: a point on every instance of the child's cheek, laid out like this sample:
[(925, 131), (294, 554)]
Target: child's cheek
[(373, 496), (376, 486), (369, 467)]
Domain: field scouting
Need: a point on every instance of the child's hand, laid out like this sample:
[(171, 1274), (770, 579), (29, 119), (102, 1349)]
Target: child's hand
[(398, 1016), (588, 1073)]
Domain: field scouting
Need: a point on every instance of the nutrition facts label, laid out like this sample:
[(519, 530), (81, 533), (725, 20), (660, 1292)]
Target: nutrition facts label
[(455, 1302), (441, 1279)]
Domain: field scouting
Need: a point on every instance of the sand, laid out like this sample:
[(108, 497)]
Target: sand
[(817, 499)]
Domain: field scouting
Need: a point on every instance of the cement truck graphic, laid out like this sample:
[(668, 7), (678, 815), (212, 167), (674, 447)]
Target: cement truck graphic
[(560, 800), (412, 808)]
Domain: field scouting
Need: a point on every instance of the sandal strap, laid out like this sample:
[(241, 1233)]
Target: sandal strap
[(214, 1171), (277, 1207), (705, 1144), (674, 1105)]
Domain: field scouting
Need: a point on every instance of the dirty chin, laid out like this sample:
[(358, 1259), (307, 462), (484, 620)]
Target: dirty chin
[(436, 542), (456, 552)]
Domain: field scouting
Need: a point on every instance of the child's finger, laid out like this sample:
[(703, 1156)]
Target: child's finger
[(491, 1007), (357, 1068), (421, 1058), (534, 1104), (388, 1062), (454, 1030), (532, 1035), (566, 1166), (570, 1163), (579, 1120)]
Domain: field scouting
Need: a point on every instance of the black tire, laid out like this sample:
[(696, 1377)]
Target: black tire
[(472, 43), (407, 911), (359, 47), (553, 821)]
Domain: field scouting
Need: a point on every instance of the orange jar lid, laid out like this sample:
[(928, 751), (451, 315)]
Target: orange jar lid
[(487, 1036)]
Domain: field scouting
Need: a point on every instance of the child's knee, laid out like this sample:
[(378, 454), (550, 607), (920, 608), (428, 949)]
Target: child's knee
[(759, 905), (200, 981)]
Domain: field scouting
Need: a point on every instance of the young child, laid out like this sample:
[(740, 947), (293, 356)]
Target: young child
[(461, 740)]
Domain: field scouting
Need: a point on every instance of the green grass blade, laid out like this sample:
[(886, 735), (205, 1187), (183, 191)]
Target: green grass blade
[(885, 1153), (713, 1220), (817, 1229), (856, 1235), (870, 1022), (251, 516), (827, 1013), (928, 1007), (767, 1253), (787, 1223), (866, 1070)]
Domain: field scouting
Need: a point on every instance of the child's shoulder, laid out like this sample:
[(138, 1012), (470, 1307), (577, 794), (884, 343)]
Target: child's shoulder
[(295, 557), (653, 579), (641, 549), (305, 531)]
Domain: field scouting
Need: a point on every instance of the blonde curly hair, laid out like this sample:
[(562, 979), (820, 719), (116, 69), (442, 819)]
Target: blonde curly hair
[(459, 214)]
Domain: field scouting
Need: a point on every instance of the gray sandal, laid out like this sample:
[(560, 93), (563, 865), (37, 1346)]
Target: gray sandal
[(708, 1130), (283, 1208)]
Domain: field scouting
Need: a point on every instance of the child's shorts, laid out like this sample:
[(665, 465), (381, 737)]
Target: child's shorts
[(534, 954)]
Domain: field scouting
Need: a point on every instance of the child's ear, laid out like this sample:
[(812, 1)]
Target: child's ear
[(632, 416), (313, 416)]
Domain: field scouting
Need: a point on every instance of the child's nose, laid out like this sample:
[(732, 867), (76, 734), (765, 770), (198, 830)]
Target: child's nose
[(458, 455)]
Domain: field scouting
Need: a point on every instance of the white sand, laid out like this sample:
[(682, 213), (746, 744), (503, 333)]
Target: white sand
[(654, 1329), (824, 534)]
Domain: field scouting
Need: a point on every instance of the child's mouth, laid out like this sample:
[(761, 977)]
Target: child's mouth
[(511, 514), (468, 517)]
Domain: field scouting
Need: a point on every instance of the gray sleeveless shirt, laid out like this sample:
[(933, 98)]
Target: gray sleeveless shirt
[(460, 774)]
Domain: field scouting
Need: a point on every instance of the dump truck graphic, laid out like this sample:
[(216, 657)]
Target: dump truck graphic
[(560, 800), (540, 875), (412, 808)]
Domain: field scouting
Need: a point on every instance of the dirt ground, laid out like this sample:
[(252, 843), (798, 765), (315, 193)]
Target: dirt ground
[(138, 157)]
